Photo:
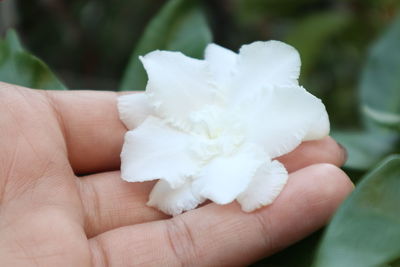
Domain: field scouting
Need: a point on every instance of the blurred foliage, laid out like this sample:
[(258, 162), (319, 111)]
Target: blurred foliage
[(366, 148), (367, 224), (95, 44), (20, 67), (379, 90), (180, 26), (88, 43), (382, 70), (312, 32)]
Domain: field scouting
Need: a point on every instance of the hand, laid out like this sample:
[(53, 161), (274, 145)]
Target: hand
[(62, 202)]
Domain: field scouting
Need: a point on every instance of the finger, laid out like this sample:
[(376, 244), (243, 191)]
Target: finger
[(94, 134), (326, 150), (109, 202), (92, 128), (224, 235)]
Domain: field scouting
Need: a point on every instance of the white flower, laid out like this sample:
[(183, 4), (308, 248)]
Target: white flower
[(210, 129)]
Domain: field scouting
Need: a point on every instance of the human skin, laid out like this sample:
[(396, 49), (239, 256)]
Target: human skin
[(62, 202)]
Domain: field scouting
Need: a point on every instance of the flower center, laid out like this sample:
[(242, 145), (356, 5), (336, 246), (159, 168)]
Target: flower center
[(219, 132)]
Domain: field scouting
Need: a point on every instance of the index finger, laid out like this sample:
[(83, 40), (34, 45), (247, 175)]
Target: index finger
[(94, 134), (92, 129)]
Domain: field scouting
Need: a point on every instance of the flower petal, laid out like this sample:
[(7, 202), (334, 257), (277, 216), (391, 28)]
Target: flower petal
[(279, 119), (319, 129), (271, 63), (221, 62), (178, 85), (155, 150), (134, 109), (263, 64), (265, 186), (225, 177), (173, 201)]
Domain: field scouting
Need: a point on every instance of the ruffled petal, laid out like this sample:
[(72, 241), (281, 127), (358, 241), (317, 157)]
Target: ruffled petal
[(279, 119), (263, 64), (265, 186), (173, 201), (221, 62), (178, 85), (269, 63), (134, 109), (319, 129), (225, 177), (155, 150)]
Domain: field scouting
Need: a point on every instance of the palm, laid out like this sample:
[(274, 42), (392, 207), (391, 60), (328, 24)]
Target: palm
[(50, 216)]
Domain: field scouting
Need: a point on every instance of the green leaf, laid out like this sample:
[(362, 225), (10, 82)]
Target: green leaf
[(179, 26), (365, 148), (380, 80), (365, 231), (19, 67), (381, 118), (13, 41), (312, 32)]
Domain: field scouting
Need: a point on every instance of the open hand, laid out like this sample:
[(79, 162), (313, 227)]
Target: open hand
[(62, 202)]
